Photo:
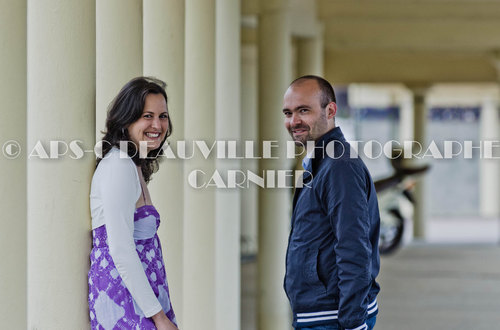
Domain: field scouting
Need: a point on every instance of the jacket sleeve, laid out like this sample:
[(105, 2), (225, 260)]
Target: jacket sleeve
[(120, 190), (347, 206)]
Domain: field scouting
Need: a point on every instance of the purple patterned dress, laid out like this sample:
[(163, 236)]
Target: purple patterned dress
[(110, 303)]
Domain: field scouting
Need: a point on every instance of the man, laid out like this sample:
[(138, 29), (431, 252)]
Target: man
[(332, 258)]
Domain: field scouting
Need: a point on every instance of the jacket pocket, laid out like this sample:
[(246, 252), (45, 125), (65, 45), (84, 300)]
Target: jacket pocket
[(311, 272)]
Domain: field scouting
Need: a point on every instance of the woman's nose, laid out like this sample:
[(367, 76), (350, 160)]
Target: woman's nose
[(156, 123)]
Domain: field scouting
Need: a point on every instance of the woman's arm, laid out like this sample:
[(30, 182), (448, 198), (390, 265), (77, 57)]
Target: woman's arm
[(120, 190)]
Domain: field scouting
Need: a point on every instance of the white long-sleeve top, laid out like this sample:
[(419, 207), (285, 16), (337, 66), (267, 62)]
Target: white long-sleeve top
[(114, 192)]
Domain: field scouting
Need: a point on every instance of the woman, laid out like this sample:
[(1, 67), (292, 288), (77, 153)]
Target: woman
[(127, 280)]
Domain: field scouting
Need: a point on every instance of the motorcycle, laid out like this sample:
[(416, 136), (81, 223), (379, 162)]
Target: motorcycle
[(396, 203)]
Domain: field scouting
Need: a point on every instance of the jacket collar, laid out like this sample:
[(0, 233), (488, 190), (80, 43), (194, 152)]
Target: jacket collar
[(333, 134), (310, 164)]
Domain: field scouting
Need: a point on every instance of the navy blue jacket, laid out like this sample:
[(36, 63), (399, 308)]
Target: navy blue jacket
[(332, 257)]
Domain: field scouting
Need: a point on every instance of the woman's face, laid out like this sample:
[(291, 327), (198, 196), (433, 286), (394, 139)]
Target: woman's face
[(153, 124)]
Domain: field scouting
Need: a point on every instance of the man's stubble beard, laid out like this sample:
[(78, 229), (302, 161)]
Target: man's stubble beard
[(320, 125), (302, 142)]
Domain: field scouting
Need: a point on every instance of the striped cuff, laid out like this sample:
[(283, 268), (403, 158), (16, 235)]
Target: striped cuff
[(372, 307), (361, 327)]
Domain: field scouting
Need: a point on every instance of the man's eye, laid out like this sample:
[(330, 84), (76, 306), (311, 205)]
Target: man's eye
[(303, 110)]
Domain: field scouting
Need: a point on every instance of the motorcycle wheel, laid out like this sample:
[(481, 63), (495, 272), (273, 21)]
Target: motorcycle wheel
[(391, 231)]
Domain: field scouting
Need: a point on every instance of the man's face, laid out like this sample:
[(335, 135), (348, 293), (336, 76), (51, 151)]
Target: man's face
[(305, 120)]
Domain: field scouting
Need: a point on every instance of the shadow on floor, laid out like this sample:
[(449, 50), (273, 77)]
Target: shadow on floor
[(423, 287)]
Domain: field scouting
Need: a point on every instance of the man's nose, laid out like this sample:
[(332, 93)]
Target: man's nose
[(295, 120)]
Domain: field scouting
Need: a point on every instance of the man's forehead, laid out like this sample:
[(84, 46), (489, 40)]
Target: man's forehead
[(302, 90), (308, 86), (306, 83)]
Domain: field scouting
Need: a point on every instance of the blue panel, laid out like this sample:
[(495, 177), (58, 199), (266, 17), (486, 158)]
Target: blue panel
[(466, 114), (343, 109), (388, 113)]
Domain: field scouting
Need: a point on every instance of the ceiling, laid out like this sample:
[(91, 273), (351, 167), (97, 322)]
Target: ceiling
[(409, 41)]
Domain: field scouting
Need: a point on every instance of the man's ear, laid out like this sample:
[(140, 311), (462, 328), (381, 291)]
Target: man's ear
[(331, 110)]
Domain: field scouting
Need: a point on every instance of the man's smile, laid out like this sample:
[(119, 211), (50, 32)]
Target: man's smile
[(300, 131)]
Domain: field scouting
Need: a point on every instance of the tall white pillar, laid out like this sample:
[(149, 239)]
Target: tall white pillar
[(489, 170), (13, 163), (250, 196), (164, 59), (406, 116), (118, 51), (228, 127), (274, 204), (310, 55), (61, 106), (488, 190), (199, 204), (420, 113), (249, 132)]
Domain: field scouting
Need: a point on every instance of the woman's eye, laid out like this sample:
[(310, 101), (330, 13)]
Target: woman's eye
[(163, 116), (148, 116)]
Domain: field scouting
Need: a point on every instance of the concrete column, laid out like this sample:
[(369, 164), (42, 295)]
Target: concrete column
[(406, 116), (310, 55), (274, 204), (164, 58), (250, 196), (420, 113), (228, 127), (199, 204), (61, 106), (489, 170), (249, 132), (13, 163), (118, 51)]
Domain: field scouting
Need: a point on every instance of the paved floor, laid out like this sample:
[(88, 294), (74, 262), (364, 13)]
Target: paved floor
[(441, 287), (424, 287)]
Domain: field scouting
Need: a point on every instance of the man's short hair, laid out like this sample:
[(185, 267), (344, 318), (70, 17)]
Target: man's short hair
[(327, 93)]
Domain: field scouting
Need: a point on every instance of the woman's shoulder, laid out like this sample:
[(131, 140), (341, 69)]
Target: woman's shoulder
[(116, 156), (118, 162), (116, 174)]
